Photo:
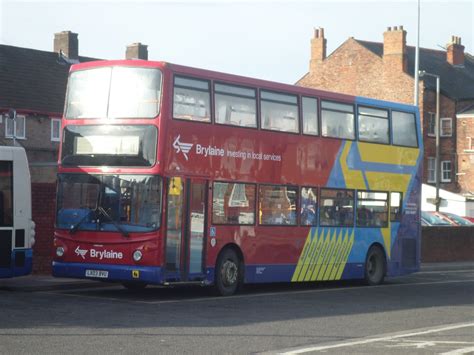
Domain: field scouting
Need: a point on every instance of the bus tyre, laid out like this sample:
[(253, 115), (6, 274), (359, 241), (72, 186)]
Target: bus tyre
[(228, 273), (375, 266), (134, 286)]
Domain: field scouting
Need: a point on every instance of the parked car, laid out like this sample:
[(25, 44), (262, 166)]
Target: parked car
[(460, 221), (431, 219), (469, 218)]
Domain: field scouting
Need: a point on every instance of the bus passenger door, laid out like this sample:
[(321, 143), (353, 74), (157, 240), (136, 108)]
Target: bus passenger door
[(186, 217)]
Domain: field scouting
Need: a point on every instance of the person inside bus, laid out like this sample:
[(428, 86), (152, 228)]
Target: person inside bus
[(308, 207), (364, 216)]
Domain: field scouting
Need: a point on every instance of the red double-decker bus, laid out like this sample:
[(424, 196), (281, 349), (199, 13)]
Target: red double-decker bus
[(170, 174)]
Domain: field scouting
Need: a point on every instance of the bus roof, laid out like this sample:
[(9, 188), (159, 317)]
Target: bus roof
[(234, 79)]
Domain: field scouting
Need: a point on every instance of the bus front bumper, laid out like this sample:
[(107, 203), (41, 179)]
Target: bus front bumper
[(104, 272)]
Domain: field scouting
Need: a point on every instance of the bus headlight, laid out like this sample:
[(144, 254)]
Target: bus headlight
[(60, 251), (137, 255)]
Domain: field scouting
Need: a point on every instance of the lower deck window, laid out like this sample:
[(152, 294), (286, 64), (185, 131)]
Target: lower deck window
[(372, 209), (337, 207), (233, 203), (277, 205)]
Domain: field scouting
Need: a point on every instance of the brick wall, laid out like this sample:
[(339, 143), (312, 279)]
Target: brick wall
[(43, 206), (465, 167), (447, 244)]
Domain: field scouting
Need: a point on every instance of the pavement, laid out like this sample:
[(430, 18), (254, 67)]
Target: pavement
[(32, 283)]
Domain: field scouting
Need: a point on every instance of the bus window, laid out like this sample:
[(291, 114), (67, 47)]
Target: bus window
[(191, 99), (233, 203), (395, 206), (310, 116), (337, 120), (235, 105), (6, 193), (279, 112), (309, 206), (404, 129), (336, 208), (114, 92), (277, 205), (372, 209), (373, 125)]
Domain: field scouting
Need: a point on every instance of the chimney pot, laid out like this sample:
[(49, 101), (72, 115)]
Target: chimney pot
[(318, 49), (455, 51), (394, 48), (67, 42), (137, 51)]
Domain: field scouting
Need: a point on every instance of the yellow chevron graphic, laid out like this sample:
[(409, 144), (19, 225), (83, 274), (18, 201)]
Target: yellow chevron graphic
[(388, 154), (324, 255), (387, 239), (376, 180), (353, 178)]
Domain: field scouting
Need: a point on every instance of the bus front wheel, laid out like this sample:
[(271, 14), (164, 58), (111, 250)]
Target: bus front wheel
[(374, 266), (228, 273)]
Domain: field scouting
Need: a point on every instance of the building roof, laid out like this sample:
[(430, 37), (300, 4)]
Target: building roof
[(457, 82), (33, 80), (467, 112)]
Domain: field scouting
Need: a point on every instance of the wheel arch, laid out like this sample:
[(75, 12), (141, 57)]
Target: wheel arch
[(236, 249), (382, 248)]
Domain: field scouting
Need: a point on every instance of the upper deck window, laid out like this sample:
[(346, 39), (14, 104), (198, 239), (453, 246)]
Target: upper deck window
[(191, 99), (279, 111), (337, 120), (235, 105), (310, 116), (373, 125), (114, 92), (404, 129)]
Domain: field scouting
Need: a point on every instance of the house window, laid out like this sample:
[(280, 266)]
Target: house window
[(446, 127), (20, 127), (446, 171), (55, 129), (431, 170), (431, 130)]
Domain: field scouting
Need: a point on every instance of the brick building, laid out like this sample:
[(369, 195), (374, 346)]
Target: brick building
[(385, 70), (33, 82)]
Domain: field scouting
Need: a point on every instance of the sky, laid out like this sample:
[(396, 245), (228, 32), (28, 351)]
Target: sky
[(260, 38)]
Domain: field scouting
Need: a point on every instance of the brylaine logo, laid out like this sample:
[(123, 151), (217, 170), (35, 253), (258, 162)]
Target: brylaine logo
[(182, 147), (81, 252)]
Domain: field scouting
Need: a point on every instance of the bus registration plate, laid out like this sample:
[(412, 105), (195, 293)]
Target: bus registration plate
[(97, 273)]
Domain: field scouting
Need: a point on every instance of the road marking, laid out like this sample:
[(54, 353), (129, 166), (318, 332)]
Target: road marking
[(460, 351), (258, 295), (379, 339), (444, 272)]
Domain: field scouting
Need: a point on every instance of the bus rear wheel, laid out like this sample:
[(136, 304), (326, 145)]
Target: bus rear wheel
[(228, 273), (375, 266)]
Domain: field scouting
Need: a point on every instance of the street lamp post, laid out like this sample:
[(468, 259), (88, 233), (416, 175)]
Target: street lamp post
[(423, 73)]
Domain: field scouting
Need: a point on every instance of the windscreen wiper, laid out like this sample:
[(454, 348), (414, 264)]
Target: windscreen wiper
[(75, 227), (103, 212)]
